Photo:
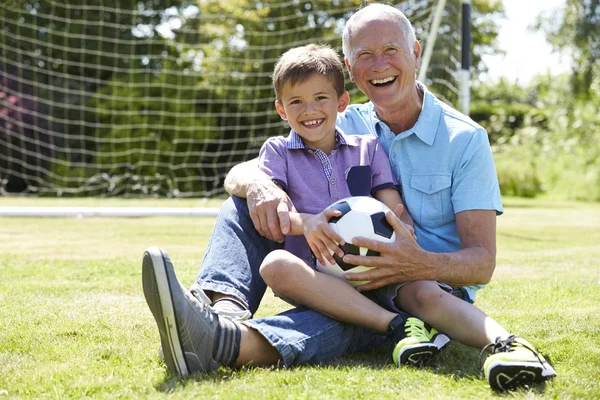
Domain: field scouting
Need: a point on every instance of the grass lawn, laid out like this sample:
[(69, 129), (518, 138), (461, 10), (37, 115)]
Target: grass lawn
[(74, 323)]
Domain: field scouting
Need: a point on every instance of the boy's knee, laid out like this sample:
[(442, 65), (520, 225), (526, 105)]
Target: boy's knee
[(275, 268)]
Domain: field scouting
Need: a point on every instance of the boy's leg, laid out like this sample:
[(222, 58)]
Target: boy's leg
[(290, 277), (233, 256)]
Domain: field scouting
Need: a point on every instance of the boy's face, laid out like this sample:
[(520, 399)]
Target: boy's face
[(311, 108)]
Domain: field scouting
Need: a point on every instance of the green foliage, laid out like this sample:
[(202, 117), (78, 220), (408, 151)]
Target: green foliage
[(576, 28), (545, 140)]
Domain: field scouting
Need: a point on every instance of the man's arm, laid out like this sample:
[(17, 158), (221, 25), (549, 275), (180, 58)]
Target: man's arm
[(268, 204), (405, 261)]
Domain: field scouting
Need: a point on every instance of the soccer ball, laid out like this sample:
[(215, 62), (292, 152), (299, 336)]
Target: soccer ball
[(361, 216)]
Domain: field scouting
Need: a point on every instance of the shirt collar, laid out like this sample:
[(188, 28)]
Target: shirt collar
[(294, 141), (427, 123)]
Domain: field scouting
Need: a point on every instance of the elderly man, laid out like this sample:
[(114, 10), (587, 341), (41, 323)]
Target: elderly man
[(444, 164)]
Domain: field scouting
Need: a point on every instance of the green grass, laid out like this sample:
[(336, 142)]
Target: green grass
[(74, 323)]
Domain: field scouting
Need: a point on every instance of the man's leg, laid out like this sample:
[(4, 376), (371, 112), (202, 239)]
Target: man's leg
[(233, 257), (196, 339)]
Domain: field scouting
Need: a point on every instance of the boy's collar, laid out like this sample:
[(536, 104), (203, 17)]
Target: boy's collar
[(294, 141)]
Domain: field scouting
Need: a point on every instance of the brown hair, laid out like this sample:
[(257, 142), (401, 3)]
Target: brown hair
[(298, 63)]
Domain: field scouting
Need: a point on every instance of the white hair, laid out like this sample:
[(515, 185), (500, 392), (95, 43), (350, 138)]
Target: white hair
[(378, 10)]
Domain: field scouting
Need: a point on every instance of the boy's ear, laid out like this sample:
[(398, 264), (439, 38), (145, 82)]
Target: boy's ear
[(343, 101), (280, 110)]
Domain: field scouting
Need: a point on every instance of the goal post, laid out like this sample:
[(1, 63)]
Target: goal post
[(161, 98)]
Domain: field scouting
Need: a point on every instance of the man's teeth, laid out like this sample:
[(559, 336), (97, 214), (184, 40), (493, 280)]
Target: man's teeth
[(313, 122), (382, 81)]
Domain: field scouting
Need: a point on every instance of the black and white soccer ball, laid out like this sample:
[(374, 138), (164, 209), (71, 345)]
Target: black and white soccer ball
[(361, 216)]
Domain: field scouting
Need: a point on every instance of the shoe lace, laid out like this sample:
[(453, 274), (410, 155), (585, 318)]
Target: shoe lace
[(507, 345), (416, 328), (204, 308)]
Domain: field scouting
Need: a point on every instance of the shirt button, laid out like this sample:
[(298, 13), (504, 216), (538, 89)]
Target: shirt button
[(332, 181)]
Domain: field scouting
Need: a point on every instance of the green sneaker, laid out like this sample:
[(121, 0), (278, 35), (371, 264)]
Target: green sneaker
[(514, 364), (416, 349)]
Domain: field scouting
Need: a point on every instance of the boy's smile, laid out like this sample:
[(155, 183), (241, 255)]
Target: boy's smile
[(311, 108)]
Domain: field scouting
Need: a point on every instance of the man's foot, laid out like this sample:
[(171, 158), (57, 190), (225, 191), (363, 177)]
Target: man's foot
[(189, 330), (438, 338), (416, 349), (514, 364)]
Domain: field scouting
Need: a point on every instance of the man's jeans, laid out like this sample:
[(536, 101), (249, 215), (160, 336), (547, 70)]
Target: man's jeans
[(231, 266)]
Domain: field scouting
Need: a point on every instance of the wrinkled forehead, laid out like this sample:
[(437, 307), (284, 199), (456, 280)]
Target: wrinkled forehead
[(375, 32)]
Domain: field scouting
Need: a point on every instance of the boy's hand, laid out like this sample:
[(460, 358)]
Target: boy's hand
[(405, 217), (320, 237)]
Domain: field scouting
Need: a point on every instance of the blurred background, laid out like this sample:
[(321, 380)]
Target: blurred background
[(155, 98)]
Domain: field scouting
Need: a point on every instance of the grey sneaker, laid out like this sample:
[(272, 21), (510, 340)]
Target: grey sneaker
[(187, 327)]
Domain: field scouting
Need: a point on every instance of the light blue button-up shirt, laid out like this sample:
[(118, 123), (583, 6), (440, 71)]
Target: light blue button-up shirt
[(444, 164)]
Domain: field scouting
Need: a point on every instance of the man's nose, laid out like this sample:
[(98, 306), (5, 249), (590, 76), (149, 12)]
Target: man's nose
[(379, 62)]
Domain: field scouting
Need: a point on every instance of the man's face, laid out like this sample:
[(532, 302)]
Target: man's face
[(382, 64)]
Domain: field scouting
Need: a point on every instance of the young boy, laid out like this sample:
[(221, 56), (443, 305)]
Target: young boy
[(310, 165)]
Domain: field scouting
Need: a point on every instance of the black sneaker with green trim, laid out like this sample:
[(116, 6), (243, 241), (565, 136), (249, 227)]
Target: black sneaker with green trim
[(416, 348), (515, 364)]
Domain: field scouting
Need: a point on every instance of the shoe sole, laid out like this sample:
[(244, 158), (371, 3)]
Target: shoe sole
[(505, 377), (417, 356), (156, 280)]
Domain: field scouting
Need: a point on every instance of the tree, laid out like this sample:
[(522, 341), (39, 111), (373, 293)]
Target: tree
[(576, 29)]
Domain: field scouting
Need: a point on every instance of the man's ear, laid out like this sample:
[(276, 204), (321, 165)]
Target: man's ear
[(417, 53), (343, 101), (347, 62), (280, 110)]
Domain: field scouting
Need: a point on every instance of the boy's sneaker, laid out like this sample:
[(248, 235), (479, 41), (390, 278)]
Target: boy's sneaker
[(514, 363), (187, 327), (416, 349)]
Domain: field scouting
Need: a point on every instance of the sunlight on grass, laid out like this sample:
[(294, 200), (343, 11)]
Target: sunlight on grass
[(74, 323)]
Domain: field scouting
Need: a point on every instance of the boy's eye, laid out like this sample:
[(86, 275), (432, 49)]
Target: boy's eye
[(321, 97), (295, 102)]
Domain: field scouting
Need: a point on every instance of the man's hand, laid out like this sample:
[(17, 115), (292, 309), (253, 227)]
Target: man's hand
[(401, 261), (269, 206)]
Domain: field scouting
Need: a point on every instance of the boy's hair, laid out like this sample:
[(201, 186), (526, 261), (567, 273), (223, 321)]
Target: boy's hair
[(297, 64)]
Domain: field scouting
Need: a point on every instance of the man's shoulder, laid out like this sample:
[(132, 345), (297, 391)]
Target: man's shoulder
[(356, 119), (457, 122)]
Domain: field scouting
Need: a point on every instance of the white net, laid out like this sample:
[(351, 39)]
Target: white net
[(156, 98)]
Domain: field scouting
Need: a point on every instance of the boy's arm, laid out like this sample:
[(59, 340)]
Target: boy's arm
[(391, 198)]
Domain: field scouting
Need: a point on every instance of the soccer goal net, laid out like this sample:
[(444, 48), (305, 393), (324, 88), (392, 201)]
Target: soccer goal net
[(161, 98)]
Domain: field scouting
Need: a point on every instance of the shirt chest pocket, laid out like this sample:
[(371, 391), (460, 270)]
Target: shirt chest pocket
[(431, 205)]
